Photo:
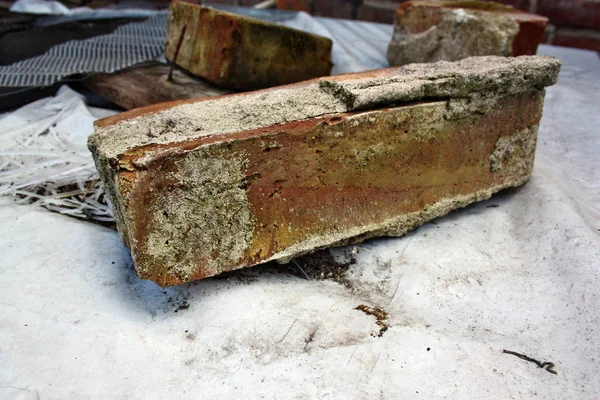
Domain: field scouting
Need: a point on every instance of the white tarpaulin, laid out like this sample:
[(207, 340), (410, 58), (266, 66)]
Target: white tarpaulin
[(518, 272)]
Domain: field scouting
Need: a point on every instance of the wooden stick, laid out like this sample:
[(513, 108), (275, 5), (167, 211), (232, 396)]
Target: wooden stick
[(170, 76), (266, 4)]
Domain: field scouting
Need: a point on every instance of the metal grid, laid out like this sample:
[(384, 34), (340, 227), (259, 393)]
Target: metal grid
[(127, 45)]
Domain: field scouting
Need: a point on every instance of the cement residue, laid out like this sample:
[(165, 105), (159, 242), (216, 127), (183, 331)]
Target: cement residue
[(221, 115), (417, 82), (208, 219), (109, 177), (461, 33), (493, 76), (514, 154), (476, 102)]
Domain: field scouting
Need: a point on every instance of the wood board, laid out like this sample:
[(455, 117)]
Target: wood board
[(147, 84)]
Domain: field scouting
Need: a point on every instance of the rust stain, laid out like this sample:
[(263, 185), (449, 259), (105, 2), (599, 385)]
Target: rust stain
[(380, 317)]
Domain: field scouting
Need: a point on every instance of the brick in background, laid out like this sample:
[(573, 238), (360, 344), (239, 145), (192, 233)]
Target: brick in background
[(248, 3), (209, 2), (344, 9), (578, 38), (295, 5), (578, 13), (382, 11)]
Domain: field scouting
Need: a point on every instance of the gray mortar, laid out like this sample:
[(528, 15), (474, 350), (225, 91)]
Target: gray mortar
[(461, 33), (416, 82)]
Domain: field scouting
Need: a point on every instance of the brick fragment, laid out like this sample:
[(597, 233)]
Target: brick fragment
[(204, 186), (428, 31), (241, 52)]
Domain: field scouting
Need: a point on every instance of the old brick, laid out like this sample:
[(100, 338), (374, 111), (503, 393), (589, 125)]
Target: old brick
[(579, 13), (376, 14), (204, 186), (452, 30), (241, 52), (579, 38), (345, 9), (296, 5)]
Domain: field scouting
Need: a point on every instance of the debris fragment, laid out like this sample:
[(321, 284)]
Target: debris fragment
[(548, 366), (380, 316), (427, 31)]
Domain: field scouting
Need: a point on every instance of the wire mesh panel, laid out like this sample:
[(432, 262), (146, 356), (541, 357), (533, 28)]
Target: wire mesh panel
[(128, 45)]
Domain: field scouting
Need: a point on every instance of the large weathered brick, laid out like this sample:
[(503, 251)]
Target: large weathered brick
[(427, 31), (243, 53), (204, 186)]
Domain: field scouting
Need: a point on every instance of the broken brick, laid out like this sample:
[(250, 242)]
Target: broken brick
[(427, 31), (204, 186), (241, 52)]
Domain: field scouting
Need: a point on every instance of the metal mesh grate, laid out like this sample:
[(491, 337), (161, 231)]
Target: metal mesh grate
[(127, 45)]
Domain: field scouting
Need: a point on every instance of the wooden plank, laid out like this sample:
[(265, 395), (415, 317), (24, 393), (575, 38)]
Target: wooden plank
[(147, 84)]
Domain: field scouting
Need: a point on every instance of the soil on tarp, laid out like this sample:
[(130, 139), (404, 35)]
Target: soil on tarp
[(322, 265)]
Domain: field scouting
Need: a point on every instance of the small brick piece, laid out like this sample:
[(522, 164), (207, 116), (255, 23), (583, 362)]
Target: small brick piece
[(428, 31), (243, 53), (204, 186)]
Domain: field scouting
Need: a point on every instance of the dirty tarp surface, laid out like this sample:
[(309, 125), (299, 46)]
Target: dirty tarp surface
[(518, 272)]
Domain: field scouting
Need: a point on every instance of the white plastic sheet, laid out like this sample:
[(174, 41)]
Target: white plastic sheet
[(51, 7), (44, 160)]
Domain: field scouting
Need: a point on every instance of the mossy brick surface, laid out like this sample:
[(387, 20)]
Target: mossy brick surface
[(427, 31), (204, 186), (241, 52)]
